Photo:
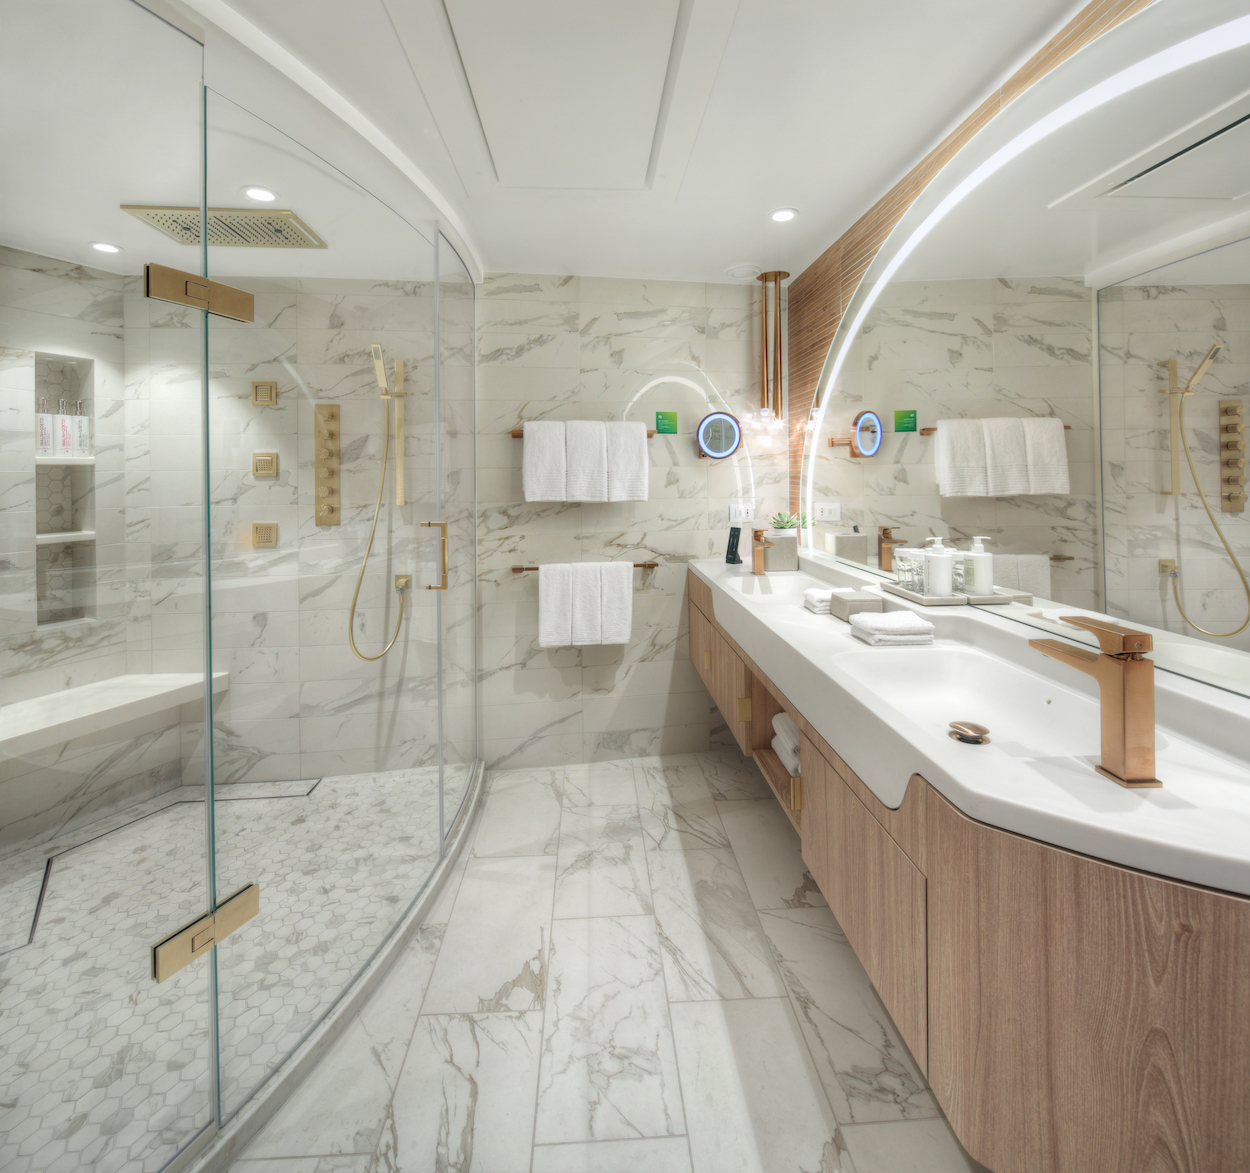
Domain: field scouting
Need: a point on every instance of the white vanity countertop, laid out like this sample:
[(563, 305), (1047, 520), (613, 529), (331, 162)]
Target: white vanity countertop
[(886, 712)]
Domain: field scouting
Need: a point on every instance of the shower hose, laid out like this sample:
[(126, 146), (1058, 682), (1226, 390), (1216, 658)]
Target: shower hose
[(1245, 586), (377, 510)]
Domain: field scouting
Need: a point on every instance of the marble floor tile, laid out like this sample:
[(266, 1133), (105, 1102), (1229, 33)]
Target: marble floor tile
[(752, 1102), (866, 1070), (710, 936), (520, 813), (600, 784), (353, 1163), (494, 954), (601, 869), (465, 1100), (669, 1154), (608, 1067), (908, 1146), (678, 811), (766, 846), (730, 775)]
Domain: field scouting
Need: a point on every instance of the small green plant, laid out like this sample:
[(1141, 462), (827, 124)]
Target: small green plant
[(785, 520)]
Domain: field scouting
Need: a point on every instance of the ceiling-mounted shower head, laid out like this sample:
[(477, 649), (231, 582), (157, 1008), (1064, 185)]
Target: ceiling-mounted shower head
[(1203, 366)]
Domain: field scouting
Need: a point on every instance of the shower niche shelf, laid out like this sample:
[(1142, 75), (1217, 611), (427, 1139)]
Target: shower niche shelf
[(65, 537), (70, 461)]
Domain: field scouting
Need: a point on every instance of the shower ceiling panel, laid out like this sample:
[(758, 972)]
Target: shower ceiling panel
[(231, 227)]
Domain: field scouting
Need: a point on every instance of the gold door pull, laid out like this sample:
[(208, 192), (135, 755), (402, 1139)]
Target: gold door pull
[(442, 586), (165, 284), (193, 940)]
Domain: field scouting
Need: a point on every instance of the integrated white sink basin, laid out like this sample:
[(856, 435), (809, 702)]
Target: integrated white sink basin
[(783, 587)]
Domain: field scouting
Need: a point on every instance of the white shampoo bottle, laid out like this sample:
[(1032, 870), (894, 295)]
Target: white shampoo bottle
[(939, 569), (62, 432), (979, 569), (82, 431), (43, 429)]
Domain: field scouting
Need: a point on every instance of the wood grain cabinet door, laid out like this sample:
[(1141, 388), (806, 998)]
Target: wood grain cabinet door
[(818, 778), (701, 634), (732, 691)]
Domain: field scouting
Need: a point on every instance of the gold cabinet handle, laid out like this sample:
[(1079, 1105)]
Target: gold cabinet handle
[(442, 586), (707, 661)]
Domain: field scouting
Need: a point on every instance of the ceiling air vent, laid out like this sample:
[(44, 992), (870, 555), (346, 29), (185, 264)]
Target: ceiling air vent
[(231, 227)]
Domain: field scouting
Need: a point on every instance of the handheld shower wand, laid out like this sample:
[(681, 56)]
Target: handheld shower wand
[(402, 581)]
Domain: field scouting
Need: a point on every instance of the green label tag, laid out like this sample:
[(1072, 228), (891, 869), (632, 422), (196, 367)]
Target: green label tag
[(666, 421), (904, 421)]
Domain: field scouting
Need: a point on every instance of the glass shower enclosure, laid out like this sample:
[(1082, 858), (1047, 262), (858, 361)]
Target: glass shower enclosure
[(193, 696)]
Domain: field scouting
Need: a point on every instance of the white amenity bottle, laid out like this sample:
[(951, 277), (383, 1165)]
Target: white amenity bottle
[(979, 569), (82, 431), (43, 429), (62, 432), (939, 569)]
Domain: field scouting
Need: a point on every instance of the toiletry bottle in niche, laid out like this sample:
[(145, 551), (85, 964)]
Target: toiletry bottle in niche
[(43, 429), (938, 570), (979, 569), (82, 431), (62, 431)]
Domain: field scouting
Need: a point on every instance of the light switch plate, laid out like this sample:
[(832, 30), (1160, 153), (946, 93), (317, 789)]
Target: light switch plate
[(828, 510), (741, 512)]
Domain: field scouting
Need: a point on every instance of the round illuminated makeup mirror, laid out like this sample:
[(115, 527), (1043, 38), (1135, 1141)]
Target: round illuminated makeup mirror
[(719, 435), (866, 434)]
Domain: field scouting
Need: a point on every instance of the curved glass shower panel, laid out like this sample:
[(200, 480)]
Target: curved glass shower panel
[(102, 650), (326, 757), (457, 504)]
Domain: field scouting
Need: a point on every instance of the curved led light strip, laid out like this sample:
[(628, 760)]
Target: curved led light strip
[(1235, 34)]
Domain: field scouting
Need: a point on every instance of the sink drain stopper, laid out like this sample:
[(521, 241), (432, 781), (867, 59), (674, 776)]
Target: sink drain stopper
[(969, 733)]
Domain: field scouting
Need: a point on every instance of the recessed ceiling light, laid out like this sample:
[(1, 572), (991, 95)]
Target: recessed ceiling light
[(784, 214), (261, 194), (105, 247)]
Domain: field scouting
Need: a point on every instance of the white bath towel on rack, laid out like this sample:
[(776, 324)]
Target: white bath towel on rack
[(586, 456), (543, 461), (628, 461), (960, 458), (617, 595), (587, 605), (555, 605), (1047, 455), (1006, 458)]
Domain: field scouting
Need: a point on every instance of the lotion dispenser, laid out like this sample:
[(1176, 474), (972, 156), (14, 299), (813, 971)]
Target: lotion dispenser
[(939, 570), (43, 429), (62, 431), (979, 569)]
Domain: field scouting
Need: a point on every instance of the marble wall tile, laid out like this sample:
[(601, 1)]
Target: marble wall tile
[(608, 1069)]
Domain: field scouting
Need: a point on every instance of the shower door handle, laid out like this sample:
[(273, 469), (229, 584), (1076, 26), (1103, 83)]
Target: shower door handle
[(442, 586)]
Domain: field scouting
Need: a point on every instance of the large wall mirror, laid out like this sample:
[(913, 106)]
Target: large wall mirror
[(1097, 230)]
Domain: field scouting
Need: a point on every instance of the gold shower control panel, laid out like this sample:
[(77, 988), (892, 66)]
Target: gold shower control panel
[(327, 503), (1232, 456)]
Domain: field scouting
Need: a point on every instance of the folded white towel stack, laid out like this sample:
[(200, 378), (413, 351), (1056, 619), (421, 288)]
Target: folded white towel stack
[(788, 757), (1047, 455), (817, 600), (960, 458), (1003, 457), (891, 628), (628, 461), (785, 728), (586, 456), (543, 462), (584, 603), (1006, 459)]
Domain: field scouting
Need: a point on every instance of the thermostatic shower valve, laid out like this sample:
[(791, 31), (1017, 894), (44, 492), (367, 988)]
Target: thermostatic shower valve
[(1232, 456)]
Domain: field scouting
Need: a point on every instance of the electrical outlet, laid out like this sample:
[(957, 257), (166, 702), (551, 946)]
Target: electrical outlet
[(739, 513), (828, 510)]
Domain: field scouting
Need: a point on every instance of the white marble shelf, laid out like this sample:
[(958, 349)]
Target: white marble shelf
[(65, 538), (72, 460), (29, 726)]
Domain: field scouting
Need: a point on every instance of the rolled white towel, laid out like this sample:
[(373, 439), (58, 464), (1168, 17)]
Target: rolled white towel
[(786, 756), (891, 623), (784, 727)]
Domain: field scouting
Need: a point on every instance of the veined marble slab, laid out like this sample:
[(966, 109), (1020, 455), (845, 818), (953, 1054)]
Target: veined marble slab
[(29, 726)]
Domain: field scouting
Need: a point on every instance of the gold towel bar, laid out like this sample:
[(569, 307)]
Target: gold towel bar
[(933, 431), (639, 565), (517, 433)]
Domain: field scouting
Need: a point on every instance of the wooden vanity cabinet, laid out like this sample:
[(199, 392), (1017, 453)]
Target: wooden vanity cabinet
[(724, 674)]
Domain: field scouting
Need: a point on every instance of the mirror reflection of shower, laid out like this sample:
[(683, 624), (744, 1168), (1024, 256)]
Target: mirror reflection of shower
[(402, 581), (1232, 478)]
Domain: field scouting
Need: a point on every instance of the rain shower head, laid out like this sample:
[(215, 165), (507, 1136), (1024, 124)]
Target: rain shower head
[(230, 227)]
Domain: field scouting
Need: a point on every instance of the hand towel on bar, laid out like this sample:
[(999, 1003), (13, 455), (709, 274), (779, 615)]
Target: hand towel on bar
[(786, 729), (555, 605), (1007, 571), (894, 623), (543, 461), (1006, 458), (618, 601), (587, 603), (628, 461), (891, 641), (960, 458), (1047, 455), (586, 456), (1035, 574), (788, 757)]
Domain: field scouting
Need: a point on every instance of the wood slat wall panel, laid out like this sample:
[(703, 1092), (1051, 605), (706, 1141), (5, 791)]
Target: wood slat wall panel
[(817, 298)]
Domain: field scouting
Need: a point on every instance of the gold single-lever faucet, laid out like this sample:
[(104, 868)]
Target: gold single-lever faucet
[(886, 541), (758, 546), (1126, 688)]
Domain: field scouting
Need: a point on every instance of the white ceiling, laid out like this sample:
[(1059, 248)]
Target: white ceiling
[(652, 138)]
